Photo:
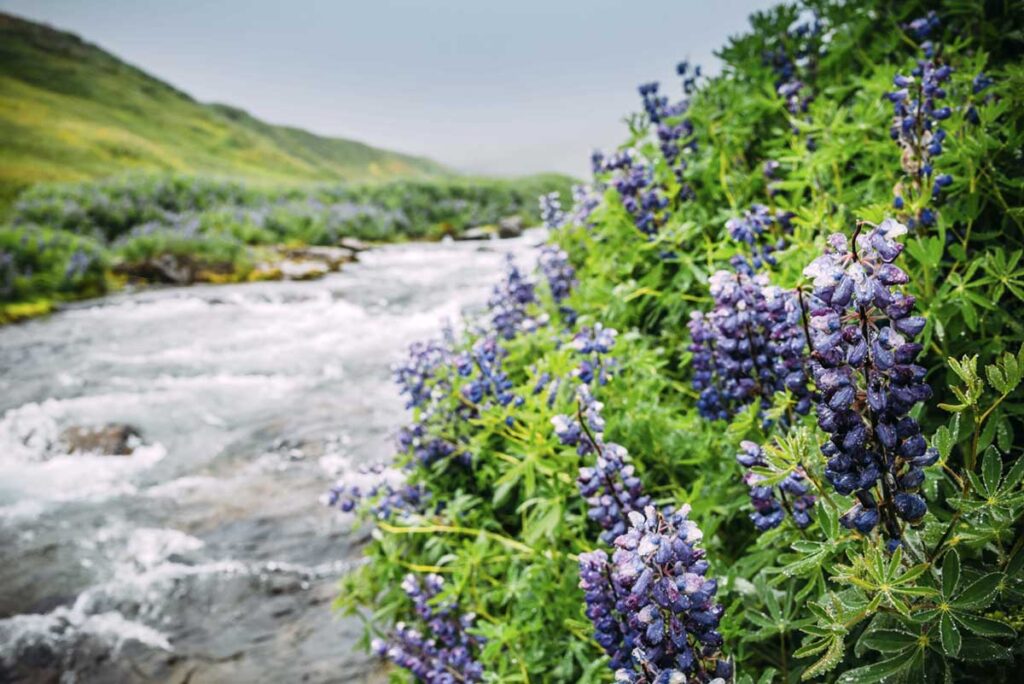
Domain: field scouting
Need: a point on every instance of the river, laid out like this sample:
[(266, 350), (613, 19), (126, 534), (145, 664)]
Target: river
[(207, 555)]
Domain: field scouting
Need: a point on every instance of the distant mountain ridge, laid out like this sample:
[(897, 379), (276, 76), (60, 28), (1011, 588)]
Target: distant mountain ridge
[(69, 110)]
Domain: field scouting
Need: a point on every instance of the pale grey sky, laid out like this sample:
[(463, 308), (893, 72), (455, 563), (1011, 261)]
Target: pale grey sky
[(483, 86)]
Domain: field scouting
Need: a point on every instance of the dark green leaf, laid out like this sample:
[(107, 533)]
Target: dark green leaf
[(950, 635), (979, 594), (984, 626), (950, 573)]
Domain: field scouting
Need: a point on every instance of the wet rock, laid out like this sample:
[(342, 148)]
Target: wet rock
[(510, 227), (331, 257), (354, 244), (302, 270), (113, 439), (164, 268), (478, 233)]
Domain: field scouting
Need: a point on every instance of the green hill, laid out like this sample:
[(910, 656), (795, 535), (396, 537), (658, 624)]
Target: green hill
[(70, 111)]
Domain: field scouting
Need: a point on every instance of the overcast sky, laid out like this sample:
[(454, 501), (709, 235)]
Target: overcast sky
[(508, 87)]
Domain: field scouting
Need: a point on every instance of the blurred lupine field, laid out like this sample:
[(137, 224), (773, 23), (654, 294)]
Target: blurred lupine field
[(68, 241), (756, 415)]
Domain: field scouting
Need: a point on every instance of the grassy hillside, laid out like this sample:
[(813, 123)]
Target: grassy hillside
[(71, 111)]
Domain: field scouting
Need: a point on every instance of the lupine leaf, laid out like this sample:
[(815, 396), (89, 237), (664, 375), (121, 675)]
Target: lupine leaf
[(991, 470), (979, 649), (888, 640), (950, 573), (950, 635), (984, 626), (877, 672), (833, 656), (980, 593)]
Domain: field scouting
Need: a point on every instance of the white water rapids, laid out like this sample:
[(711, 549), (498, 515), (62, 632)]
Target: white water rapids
[(205, 555)]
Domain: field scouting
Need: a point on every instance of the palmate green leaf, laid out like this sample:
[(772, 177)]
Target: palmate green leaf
[(950, 635), (980, 593)]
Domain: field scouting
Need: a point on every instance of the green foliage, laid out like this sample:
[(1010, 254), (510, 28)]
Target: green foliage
[(217, 224), (824, 603)]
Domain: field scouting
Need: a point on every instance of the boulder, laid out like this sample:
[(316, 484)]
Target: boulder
[(113, 439), (510, 227)]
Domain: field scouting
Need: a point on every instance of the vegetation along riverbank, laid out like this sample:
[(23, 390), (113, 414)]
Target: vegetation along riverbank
[(757, 415)]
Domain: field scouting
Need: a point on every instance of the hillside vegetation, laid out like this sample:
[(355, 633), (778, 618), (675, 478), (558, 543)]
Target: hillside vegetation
[(71, 111)]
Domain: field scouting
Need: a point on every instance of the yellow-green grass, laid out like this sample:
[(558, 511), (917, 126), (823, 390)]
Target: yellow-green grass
[(71, 111)]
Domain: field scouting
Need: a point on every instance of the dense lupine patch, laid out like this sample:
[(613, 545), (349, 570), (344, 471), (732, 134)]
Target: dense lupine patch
[(748, 347), (864, 365), (442, 651), (549, 500)]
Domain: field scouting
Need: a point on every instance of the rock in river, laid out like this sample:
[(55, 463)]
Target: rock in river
[(113, 439)]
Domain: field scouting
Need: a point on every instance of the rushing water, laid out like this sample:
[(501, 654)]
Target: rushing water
[(205, 555)]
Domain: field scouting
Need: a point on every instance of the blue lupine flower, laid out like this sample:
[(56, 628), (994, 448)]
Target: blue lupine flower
[(442, 646), (863, 364), (748, 347), (654, 602)]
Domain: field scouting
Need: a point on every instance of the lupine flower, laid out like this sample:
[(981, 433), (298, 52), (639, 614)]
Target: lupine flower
[(923, 26), (561, 278), (979, 84), (490, 382), (762, 231), (916, 127), (793, 61), (593, 344), (386, 501), (600, 598), (442, 651), (551, 211), (748, 347), (427, 449), (663, 602), (611, 489), (768, 511), (415, 372), (570, 432), (641, 196), (585, 200), (862, 329), (508, 302)]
